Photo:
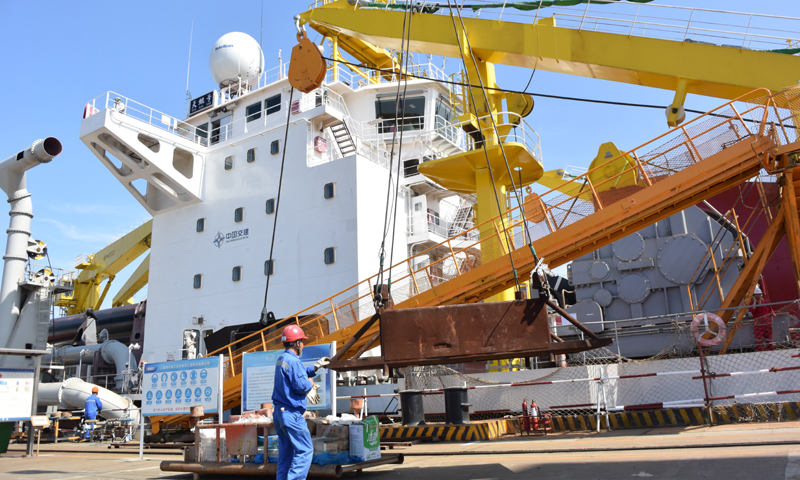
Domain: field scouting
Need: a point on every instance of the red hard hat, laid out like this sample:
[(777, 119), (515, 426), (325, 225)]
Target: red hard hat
[(293, 333)]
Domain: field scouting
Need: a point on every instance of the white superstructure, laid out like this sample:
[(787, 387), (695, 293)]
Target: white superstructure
[(211, 183)]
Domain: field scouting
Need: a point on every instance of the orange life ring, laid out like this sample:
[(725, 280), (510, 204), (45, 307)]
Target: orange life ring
[(708, 329)]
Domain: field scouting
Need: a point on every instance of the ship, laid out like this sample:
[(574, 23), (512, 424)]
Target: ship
[(309, 193)]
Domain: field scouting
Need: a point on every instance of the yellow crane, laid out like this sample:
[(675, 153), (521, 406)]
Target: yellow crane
[(103, 266)]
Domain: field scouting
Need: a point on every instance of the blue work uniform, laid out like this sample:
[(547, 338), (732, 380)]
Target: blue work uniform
[(92, 407), (289, 400)]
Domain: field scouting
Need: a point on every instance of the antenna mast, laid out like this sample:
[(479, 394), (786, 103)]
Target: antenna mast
[(189, 63)]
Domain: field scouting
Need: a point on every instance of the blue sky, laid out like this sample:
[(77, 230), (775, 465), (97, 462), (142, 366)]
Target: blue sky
[(60, 55)]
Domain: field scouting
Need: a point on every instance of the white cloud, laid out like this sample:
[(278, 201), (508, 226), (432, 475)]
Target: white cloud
[(87, 209), (72, 232)]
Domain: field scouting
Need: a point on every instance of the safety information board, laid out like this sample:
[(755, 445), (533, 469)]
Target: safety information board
[(174, 387), (258, 377), (16, 394)]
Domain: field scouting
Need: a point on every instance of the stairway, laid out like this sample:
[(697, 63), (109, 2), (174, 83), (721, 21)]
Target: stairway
[(344, 140), (687, 165), (462, 218)]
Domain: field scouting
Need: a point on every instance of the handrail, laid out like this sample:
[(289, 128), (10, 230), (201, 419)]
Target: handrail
[(705, 135)]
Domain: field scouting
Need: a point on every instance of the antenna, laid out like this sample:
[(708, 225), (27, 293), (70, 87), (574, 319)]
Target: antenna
[(189, 63), (261, 38)]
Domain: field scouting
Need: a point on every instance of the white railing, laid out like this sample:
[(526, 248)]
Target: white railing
[(133, 109), (518, 132), (419, 224), (717, 27)]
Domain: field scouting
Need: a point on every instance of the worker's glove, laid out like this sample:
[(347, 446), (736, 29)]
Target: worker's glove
[(313, 395), (322, 363)]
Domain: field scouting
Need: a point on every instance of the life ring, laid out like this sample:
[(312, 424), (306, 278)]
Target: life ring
[(713, 329)]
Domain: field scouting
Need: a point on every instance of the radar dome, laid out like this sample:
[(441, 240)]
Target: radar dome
[(236, 54)]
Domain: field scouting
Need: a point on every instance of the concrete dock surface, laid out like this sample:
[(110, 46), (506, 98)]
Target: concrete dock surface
[(760, 451)]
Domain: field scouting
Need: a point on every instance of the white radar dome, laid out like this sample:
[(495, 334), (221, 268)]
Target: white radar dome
[(236, 54)]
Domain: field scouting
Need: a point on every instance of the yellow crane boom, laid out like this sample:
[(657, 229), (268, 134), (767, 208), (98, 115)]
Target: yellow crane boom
[(103, 266), (683, 67)]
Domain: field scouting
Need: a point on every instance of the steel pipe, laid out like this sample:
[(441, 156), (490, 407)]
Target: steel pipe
[(12, 181)]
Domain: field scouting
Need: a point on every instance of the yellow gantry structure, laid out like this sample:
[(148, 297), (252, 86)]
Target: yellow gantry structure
[(682, 67), (103, 267)]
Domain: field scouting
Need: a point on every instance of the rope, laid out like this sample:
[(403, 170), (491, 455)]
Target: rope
[(502, 149), (485, 151), (265, 314), (391, 204), (545, 95)]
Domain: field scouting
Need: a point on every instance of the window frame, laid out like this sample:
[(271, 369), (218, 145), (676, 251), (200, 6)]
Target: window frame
[(325, 190), (249, 151), (270, 206), (200, 226), (238, 214), (197, 281), (236, 273), (275, 147), (332, 251), (228, 165), (274, 107), (251, 116), (269, 267)]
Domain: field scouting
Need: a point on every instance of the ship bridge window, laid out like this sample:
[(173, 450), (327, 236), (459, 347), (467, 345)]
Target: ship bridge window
[(221, 129), (236, 275), (410, 113), (444, 110), (273, 104), (253, 112), (410, 167), (238, 214), (201, 134)]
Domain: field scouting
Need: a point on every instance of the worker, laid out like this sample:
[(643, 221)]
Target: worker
[(762, 320), (292, 388), (92, 407), (190, 344)]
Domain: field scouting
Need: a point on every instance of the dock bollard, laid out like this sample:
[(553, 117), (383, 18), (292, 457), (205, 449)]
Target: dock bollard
[(411, 407), (456, 408)]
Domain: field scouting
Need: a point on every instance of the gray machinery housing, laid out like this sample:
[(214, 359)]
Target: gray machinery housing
[(646, 274)]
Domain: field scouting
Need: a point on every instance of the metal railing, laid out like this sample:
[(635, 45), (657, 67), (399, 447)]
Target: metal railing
[(667, 154), (651, 20)]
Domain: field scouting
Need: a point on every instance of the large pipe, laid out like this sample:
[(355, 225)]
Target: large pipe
[(112, 352), (73, 392), (12, 181), (117, 321)]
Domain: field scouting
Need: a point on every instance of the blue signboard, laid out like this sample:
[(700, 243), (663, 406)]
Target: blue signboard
[(258, 377), (174, 387)]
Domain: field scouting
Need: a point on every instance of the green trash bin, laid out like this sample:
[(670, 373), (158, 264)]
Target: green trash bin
[(5, 435)]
